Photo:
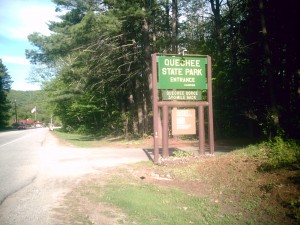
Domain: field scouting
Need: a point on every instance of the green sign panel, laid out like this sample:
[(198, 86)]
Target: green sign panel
[(181, 95), (182, 72)]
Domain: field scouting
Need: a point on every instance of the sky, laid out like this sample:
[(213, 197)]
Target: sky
[(18, 19)]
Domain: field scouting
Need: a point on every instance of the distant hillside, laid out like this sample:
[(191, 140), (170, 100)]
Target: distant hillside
[(25, 101)]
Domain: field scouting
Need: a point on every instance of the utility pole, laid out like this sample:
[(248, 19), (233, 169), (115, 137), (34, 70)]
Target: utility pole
[(51, 123), (16, 111)]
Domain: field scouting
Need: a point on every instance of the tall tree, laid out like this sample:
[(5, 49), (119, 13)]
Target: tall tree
[(99, 55), (5, 85), (174, 26)]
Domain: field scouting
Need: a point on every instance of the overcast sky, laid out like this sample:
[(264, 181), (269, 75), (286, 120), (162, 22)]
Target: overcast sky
[(18, 19)]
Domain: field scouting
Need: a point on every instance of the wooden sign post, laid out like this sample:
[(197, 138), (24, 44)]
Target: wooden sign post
[(181, 80)]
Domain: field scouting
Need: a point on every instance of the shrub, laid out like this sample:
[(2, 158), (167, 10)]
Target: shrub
[(279, 153)]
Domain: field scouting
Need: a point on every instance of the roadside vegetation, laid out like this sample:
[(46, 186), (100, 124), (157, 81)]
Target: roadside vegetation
[(257, 184), (5, 85), (96, 140), (95, 66)]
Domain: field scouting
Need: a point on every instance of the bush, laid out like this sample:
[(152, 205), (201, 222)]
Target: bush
[(279, 153)]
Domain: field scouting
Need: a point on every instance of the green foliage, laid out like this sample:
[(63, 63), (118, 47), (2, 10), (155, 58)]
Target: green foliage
[(276, 153), (281, 153), (100, 53), (295, 208), (5, 82)]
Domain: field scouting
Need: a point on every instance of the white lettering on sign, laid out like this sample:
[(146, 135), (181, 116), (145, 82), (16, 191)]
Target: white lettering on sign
[(182, 79), (175, 92), (172, 71), (191, 98), (176, 97), (183, 121), (182, 62), (191, 93), (193, 72), (184, 112), (182, 93)]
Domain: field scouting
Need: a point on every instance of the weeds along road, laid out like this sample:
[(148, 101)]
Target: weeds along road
[(36, 172)]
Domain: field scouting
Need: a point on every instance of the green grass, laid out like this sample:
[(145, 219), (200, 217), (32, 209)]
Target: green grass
[(150, 204), (75, 139), (90, 141), (275, 154)]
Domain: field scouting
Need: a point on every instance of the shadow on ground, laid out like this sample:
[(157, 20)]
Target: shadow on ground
[(219, 150)]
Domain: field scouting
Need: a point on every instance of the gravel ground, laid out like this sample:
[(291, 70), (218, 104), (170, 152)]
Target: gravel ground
[(61, 168)]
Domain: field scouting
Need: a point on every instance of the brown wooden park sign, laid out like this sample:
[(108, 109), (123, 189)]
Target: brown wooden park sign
[(178, 83)]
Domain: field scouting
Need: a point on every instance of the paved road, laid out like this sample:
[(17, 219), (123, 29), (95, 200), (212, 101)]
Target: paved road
[(48, 172), (19, 153)]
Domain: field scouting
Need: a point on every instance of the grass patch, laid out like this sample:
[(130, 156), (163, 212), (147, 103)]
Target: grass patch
[(275, 154), (91, 141), (151, 204), (74, 139)]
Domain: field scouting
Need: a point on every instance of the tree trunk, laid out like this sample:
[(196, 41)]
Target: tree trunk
[(273, 113), (133, 105), (215, 7), (147, 74), (167, 28), (267, 54), (174, 26)]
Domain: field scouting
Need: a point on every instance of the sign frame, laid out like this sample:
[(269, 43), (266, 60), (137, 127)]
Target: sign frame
[(164, 105)]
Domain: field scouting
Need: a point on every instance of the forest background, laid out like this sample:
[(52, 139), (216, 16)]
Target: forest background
[(95, 67)]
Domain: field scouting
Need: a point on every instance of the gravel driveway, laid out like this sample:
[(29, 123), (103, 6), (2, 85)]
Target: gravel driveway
[(61, 168)]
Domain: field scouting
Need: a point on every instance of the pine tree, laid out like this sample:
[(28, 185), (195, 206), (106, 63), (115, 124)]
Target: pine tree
[(5, 86)]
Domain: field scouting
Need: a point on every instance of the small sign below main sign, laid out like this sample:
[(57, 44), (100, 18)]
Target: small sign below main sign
[(183, 121), (185, 72), (181, 95)]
